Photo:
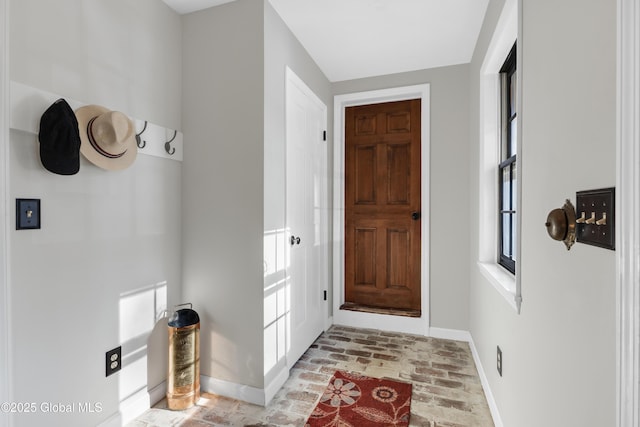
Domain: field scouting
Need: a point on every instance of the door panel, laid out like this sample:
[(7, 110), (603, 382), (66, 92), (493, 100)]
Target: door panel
[(382, 191), (399, 173), (399, 248), (365, 256), (399, 122), (365, 173), (306, 218)]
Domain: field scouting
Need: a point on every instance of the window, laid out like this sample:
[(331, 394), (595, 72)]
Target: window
[(493, 154), (507, 167)]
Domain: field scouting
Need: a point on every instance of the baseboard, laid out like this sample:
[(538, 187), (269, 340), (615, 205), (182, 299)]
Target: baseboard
[(493, 407), (450, 334), (275, 385), (135, 405), (328, 322), (242, 392), (458, 335)]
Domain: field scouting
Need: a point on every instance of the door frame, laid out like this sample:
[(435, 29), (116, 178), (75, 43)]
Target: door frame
[(628, 229), (420, 325)]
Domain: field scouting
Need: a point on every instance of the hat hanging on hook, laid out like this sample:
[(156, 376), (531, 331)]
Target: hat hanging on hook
[(59, 139), (108, 138)]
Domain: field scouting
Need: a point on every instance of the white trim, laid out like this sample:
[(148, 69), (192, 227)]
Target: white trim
[(491, 401), (6, 377), (418, 325), (508, 30), (450, 334), (275, 385), (135, 405), (328, 322), (459, 335), (628, 204), (502, 280), (233, 390)]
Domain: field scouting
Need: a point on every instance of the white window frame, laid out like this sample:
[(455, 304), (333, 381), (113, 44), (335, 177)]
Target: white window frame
[(506, 33)]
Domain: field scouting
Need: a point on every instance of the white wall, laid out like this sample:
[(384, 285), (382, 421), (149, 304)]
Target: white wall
[(5, 371), (234, 116), (108, 257), (449, 88), (559, 354), (282, 49), (223, 116)]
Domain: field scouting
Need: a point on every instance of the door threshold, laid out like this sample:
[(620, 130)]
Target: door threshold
[(378, 310)]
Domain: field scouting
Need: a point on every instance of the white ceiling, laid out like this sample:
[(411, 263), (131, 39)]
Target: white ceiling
[(351, 39)]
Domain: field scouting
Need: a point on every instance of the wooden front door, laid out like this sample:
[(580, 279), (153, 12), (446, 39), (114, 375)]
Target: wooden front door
[(382, 206)]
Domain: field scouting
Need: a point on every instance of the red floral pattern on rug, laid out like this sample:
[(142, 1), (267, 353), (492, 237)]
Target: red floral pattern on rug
[(354, 400)]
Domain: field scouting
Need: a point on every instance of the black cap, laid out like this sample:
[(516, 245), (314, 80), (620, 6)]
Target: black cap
[(59, 139)]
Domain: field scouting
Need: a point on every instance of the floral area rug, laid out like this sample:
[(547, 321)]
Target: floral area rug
[(354, 400)]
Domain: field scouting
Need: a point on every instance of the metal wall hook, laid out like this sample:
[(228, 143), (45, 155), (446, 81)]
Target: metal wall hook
[(167, 145), (294, 240), (141, 144)]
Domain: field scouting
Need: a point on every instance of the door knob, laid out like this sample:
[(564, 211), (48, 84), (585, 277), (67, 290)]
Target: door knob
[(415, 216)]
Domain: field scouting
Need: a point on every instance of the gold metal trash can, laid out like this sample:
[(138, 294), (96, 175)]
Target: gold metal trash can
[(183, 382)]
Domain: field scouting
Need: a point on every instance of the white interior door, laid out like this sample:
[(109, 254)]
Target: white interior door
[(306, 217)]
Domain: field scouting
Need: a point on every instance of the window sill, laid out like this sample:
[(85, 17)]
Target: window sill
[(503, 281)]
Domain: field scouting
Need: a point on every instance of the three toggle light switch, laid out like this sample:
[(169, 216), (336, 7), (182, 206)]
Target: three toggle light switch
[(595, 212)]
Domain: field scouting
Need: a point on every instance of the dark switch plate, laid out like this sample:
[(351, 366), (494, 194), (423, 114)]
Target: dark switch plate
[(27, 214), (595, 213)]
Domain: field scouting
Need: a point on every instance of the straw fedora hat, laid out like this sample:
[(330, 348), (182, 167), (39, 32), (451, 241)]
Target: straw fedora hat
[(107, 137)]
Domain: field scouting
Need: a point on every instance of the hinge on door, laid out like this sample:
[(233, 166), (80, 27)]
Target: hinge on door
[(325, 295), (324, 135)]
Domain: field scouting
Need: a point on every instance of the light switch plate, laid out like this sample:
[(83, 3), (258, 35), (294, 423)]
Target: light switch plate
[(595, 217), (27, 214)]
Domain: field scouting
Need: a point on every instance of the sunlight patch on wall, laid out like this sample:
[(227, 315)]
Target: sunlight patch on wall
[(275, 308), (140, 310), (275, 311), (274, 252)]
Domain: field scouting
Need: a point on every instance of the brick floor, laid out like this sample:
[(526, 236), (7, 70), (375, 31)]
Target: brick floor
[(446, 387)]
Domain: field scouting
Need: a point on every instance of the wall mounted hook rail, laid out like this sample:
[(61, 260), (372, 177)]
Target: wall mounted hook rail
[(27, 104)]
